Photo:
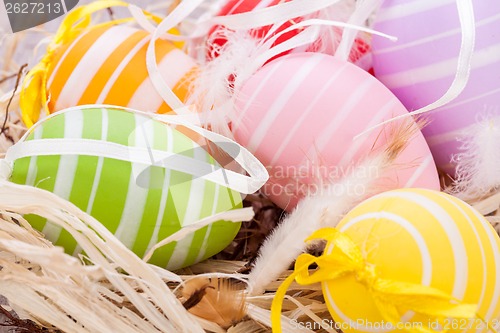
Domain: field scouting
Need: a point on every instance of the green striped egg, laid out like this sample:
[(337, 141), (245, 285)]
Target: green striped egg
[(108, 189)]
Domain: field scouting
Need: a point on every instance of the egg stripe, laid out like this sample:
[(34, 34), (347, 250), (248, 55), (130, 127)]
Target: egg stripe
[(289, 89), (104, 77), (137, 194), (68, 61), (196, 247), (159, 183), (152, 233), (182, 88), (252, 99), (164, 253), (32, 170), (205, 244), (142, 98), (204, 209), (181, 252), (439, 70), (235, 7), (479, 244), (417, 237), (25, 171), (451, 136), (114, 169), (179, 68), (59, 60), (265, 4), (341, 115), (183, 248), (31, 175), (410, 8), (84, 72), (73, 128), (135, 74), (410, 228), (300, 121), (423, 166), (49, 165), (111, 82), (227, 199), (494, 243), (454, 236), (179, 195), (434, 37), (100, 161), (377, 118), (86, 174)]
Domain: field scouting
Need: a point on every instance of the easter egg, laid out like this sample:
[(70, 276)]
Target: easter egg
[(420, 67), (107, 65), (419, 237), (299, 115), (139, 202), (217, 38), (326, 43)]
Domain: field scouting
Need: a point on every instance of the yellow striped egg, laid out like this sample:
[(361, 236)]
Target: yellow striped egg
[(419, 237), (107, 65)]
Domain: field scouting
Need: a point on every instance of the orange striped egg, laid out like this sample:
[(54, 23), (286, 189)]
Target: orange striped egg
[(419, 237), (107, 65)]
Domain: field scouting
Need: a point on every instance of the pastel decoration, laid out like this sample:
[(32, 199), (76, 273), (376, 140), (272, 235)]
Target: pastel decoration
[(326, 43), (420, 67), (107, 65), (218, 38), (299, 115), (140, 202), (409, 260)]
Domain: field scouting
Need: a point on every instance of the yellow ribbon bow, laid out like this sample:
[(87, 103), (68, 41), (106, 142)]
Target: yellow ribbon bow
[(33, 96), (388, 295)]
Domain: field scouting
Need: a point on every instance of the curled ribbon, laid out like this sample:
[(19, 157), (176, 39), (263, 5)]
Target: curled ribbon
[(34, 95), (388, 295)]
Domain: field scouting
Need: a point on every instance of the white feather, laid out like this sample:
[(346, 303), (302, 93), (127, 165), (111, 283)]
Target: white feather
[(478, 163), (324, 209), (212, 90)]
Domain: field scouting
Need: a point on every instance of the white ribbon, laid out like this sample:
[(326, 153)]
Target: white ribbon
[(258, 175), (364, 8), (305, 37), (468, 26), (5, 169), (270, 15), (174, 18)]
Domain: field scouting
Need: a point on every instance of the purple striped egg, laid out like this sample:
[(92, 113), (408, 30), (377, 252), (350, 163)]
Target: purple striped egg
[(420, 67)]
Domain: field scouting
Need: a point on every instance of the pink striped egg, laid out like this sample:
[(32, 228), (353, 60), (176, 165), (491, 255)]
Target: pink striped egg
[(299, 115), (420, 67)]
